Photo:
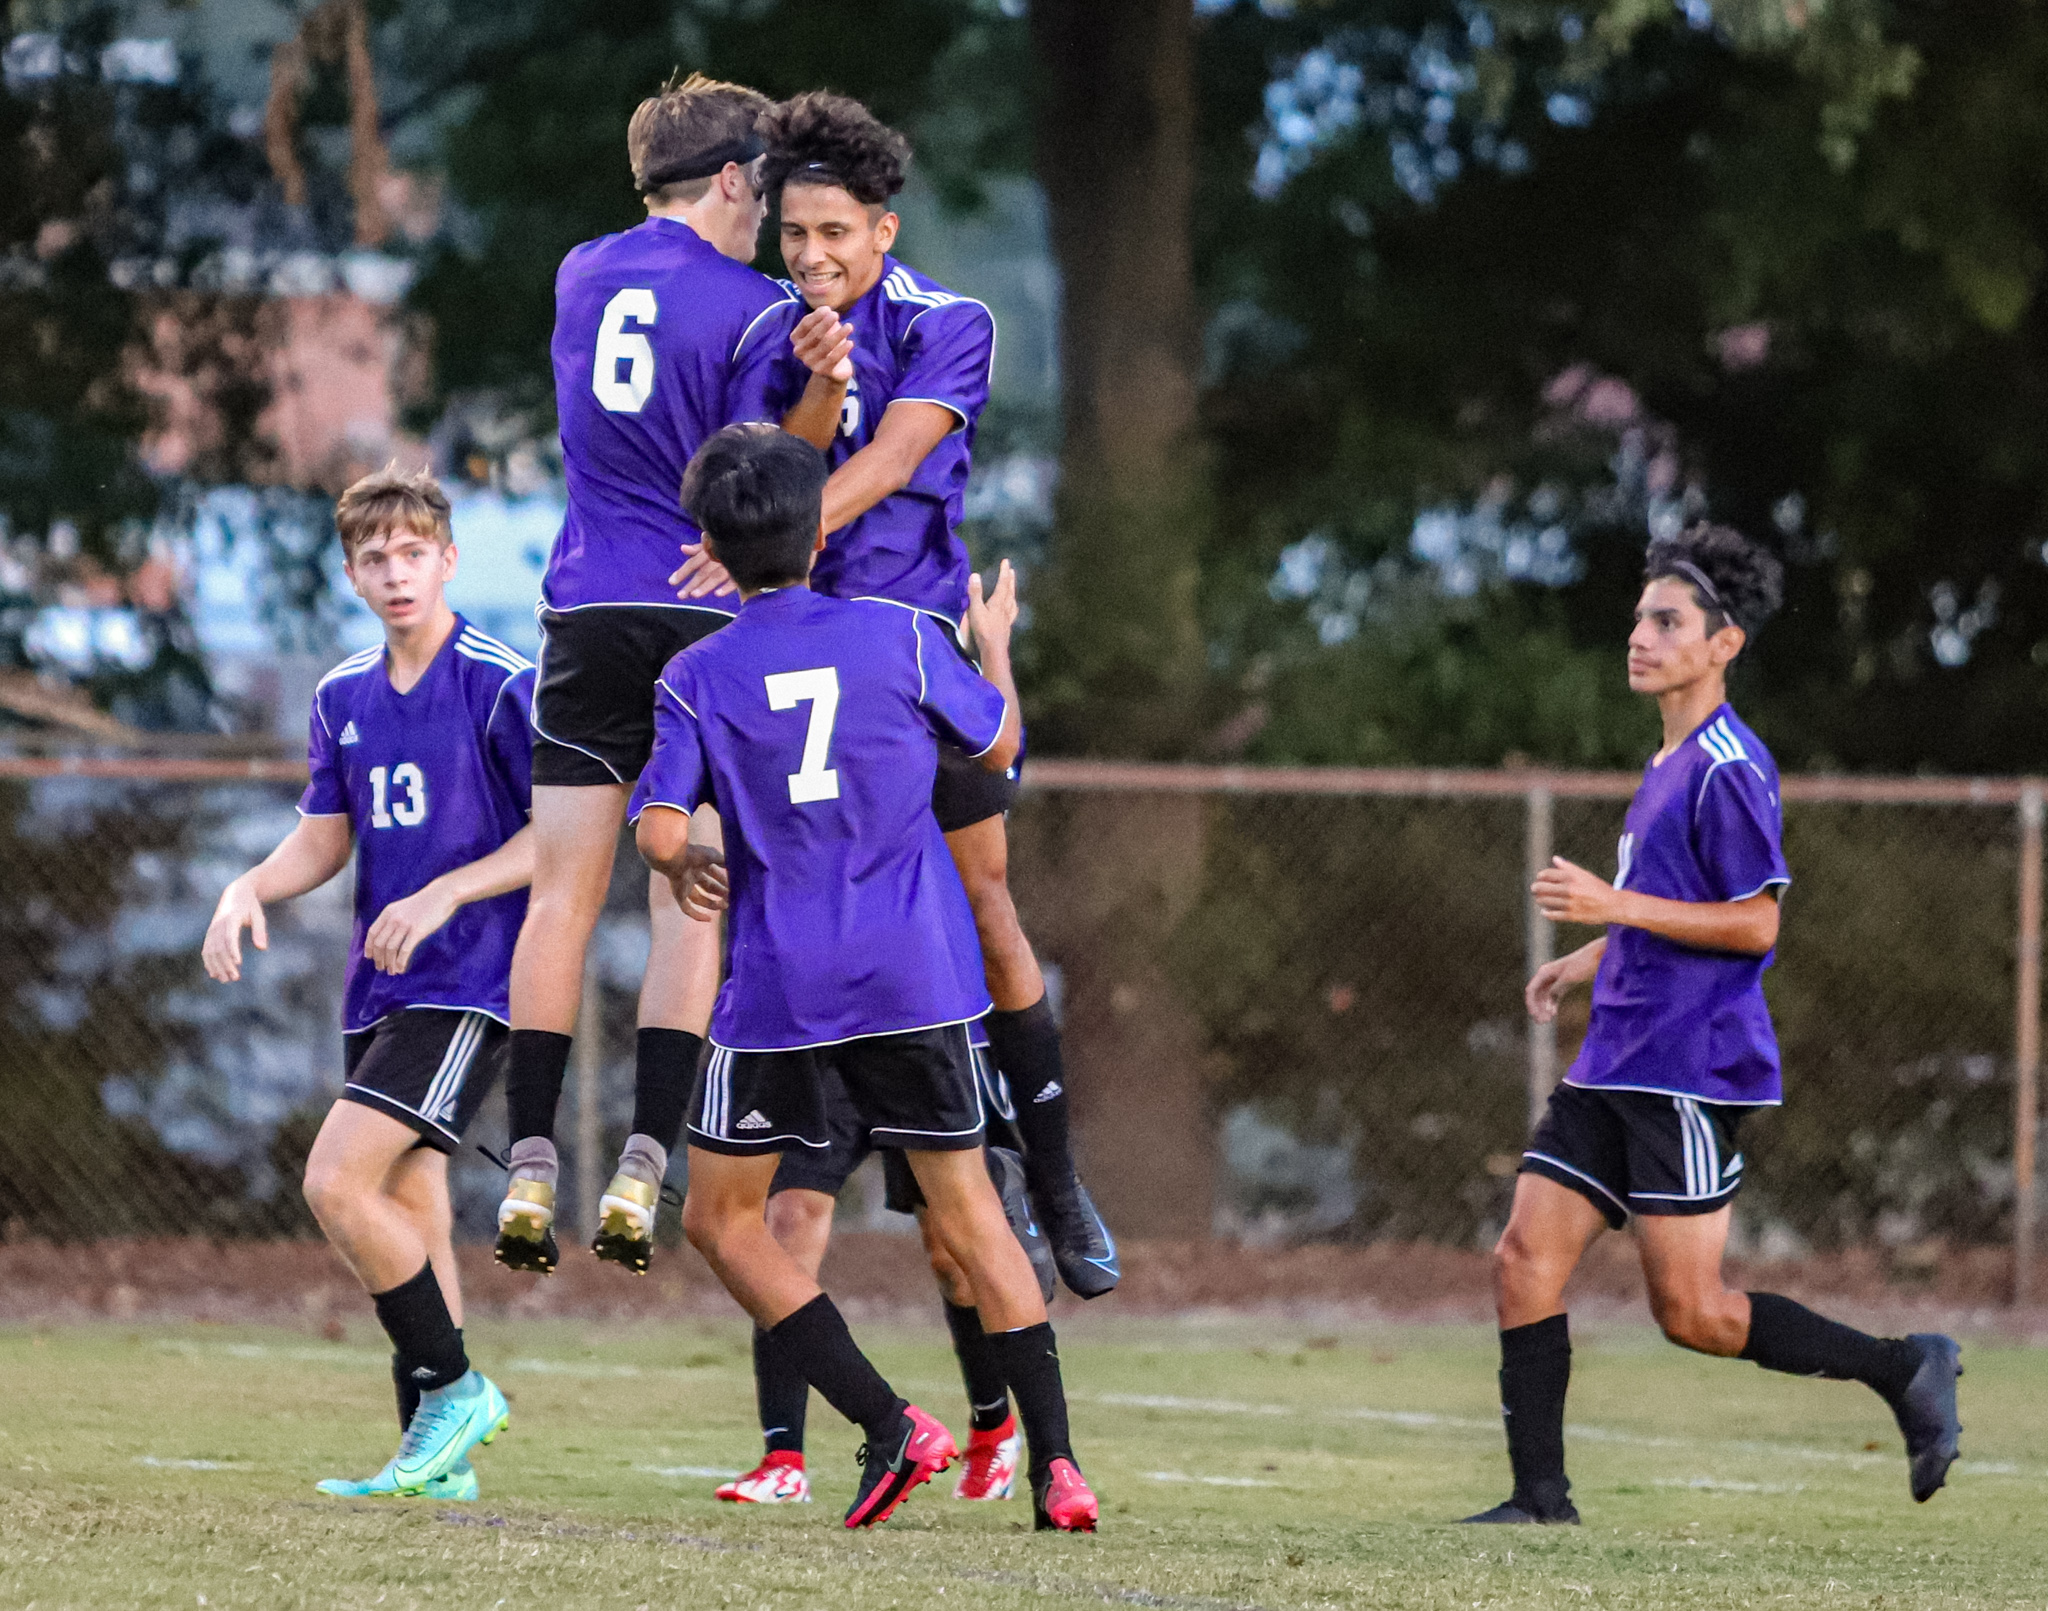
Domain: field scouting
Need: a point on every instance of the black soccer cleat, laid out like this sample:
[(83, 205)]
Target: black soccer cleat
[(1082, 1248), (1926, 1413), (917, 1452), (1006, 1170), (1511, 1512)]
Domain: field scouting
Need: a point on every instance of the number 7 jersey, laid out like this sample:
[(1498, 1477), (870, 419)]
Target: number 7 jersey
[(812, 725), (659, 342), (430, 780)]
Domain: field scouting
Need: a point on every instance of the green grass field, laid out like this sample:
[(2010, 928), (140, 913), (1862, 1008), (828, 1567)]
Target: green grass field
[(1240, 1463)]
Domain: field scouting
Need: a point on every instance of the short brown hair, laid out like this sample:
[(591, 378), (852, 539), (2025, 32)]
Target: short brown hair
[(682, 138), (393, 499)]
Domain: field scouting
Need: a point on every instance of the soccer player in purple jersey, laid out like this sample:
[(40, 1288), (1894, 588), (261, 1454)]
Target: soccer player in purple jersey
[(813, 725), (887, 375), (1680, 1049), (421, 753), (661, 337)]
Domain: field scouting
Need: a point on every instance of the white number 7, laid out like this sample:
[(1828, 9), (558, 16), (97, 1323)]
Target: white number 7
[(788, 689)]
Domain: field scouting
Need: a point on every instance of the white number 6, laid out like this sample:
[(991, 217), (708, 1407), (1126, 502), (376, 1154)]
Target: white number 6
[(615, 345), (813, 780)]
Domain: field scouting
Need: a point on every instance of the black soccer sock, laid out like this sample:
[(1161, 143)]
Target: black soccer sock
[(988, 1391), (1026, 1048), (1535, 1371), (1790, 1337), (408, 1391), (1030, 1360), (817, 1342), (533, 1084), (782, 1395), (415, 1317), (664, 1063)]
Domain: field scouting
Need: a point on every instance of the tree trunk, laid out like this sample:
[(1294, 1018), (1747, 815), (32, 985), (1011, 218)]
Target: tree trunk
[(1116, 646)]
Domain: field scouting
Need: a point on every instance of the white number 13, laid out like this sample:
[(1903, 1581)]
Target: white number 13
[(813, 780), (408, 812)]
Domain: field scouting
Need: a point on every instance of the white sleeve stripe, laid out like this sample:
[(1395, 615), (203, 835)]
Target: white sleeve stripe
[(917, 651), (662, 684), (992, 743), (747, 333)]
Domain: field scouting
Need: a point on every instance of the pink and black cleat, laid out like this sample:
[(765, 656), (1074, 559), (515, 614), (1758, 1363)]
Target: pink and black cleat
[(918, 1452)]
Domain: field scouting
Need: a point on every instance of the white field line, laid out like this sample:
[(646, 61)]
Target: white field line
[(1430, 1421), (1213, 1482), (689, 1471), (163, 1464)]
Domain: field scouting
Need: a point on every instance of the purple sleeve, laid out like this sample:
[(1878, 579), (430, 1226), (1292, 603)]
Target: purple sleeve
[(325, 796), (964, 708), (674, 774), (947, 354), (508, 737), (766, 377), (1736, 825)]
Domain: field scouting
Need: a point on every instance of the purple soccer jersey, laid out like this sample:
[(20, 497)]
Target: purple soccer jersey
[(913, 342), (659, 342), (1704, 826), (430, 780), (813, 725)]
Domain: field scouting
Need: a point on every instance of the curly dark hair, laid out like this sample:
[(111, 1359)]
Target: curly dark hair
[(819, 138), (1744, 582)]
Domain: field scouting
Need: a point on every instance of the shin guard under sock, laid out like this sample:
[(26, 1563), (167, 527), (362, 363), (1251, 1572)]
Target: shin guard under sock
[(1026, 1048), (816, 1341), (415, 1317), (664, 1064), (781, 1394), (1787, 1336), (1030, 1360), (1535, 1371), (533, 1082), (988, 1391)]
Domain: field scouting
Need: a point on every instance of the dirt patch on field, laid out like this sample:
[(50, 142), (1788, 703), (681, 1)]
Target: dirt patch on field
[(304, 1284)]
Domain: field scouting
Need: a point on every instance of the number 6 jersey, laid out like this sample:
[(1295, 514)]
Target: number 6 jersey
[(430, 780), (812, 725)]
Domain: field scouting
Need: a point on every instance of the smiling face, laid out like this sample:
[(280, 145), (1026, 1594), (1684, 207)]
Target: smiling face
[(833, 243), (400, 574), (1671, 647)]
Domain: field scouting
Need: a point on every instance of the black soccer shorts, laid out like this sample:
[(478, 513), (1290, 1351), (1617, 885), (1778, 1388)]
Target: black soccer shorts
[(914, 1090), (593, 694), (1638, 1152), (428, 1067)]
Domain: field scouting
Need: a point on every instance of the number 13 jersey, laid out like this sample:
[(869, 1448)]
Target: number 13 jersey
[(430, 780), (812, 725), (659, 342)]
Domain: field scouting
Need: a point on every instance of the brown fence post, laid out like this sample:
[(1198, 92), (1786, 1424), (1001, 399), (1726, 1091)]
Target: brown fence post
[(1538, 839), (2026, 1044)]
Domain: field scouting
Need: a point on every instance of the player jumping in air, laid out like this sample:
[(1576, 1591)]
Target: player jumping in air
[(813, 725), (887, 375), (421, 753), (659, 340), (1679, 1051)]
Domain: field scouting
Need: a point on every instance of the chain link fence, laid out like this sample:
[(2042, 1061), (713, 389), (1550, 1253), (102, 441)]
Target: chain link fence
[(1292, 1003)]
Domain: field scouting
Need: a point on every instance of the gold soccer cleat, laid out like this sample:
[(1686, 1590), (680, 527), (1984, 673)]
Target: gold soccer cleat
[(625, 1222), (526, 1227)]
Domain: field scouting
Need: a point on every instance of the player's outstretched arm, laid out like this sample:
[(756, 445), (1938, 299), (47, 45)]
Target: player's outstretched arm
[(695, 873), (401, 926), (824, 345), (1567, 893), (909, 430), (990, 621), (307, 857)]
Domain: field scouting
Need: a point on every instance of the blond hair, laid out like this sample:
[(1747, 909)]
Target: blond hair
[(679, 140), (393, 499)]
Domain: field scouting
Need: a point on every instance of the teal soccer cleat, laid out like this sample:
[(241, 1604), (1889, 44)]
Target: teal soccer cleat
[(459, 1485), (450, 1422)]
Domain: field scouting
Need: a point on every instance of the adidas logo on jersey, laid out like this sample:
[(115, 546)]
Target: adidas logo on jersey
[(349, 735), (753, 1121), (1052, 1090)]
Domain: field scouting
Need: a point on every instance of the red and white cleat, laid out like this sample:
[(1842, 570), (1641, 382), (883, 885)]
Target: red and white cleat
[(990, 1471), (1063, 1501), (778, 1480), (917, 1452)]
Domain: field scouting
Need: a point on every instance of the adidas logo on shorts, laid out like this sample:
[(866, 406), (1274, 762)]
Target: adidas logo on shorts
[(753, 1121), (1052, 1090), (349, 735)]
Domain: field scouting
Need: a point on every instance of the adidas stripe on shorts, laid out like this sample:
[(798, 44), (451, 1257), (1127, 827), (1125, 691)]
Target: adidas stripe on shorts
[(915, 1090), (1638, 1152), (428, 1067)]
